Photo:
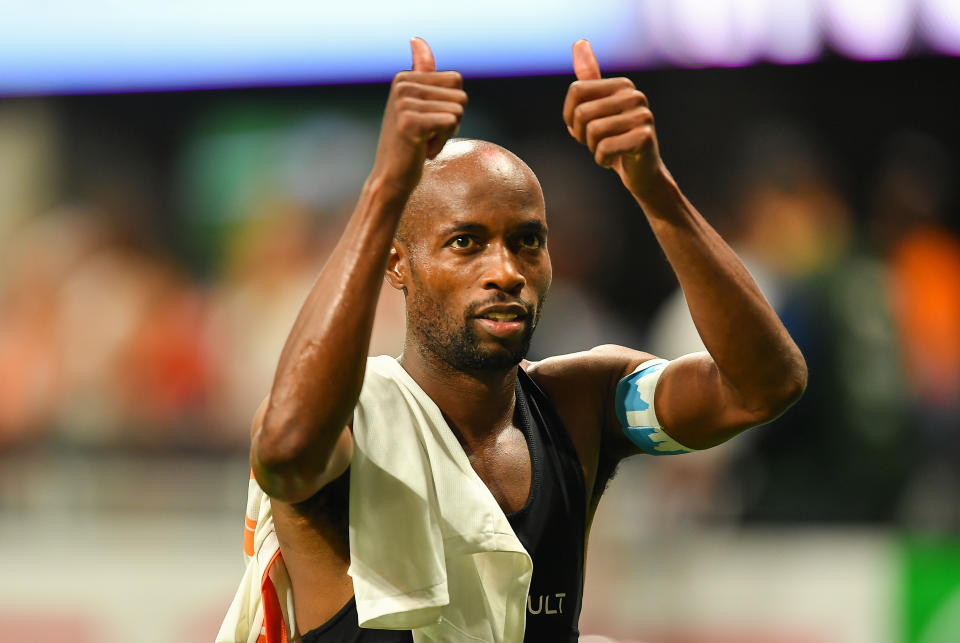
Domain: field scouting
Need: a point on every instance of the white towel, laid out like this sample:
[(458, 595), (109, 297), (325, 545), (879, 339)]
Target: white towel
[(430, 548)]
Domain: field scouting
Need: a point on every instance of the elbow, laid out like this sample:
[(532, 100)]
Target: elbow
[(784, 391), (293, 430), (792, 390), (293, 440), (283, 436), (795, 380), (284, 456), (275, 452), (278, 444)]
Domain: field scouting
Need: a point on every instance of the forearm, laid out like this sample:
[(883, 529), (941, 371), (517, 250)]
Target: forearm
[(751, 348), (754, 371), (320, 371)]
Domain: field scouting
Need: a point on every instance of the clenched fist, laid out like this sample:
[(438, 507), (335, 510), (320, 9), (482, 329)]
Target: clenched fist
[(423, 111), (612, 118)]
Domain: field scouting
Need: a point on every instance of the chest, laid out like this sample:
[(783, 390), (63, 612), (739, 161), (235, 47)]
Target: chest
[(505, 466)]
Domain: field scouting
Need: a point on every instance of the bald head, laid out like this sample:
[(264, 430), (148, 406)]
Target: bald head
[(465, 174), (473, 237)]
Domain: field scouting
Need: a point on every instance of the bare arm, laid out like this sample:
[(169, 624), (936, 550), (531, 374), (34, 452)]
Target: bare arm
[(753, 370), (299, 440)]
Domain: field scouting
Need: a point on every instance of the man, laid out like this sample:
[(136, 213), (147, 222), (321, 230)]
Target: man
[(460, 229)]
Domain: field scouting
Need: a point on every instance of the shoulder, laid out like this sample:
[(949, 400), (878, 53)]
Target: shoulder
[(582, 387), (597, 369)]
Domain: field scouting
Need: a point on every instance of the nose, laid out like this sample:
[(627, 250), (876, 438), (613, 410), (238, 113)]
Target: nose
[(502, 271)]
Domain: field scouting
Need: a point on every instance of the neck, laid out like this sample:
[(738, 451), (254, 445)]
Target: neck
[(477, 405)]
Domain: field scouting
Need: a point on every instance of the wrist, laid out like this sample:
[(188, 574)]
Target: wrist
[(660, 196), (384, 194)]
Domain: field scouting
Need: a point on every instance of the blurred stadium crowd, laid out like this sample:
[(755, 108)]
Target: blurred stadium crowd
[(154, 251)]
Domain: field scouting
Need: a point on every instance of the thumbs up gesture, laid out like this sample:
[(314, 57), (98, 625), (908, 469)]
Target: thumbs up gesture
[(423, 111), (613, 119)]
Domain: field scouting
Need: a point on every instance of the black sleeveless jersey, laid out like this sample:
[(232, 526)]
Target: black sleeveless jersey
[(551, 526)]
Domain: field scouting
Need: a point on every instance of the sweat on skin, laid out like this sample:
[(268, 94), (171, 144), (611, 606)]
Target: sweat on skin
[(459, 226), (474, 197)]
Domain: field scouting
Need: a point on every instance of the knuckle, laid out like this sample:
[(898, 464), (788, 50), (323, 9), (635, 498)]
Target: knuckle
[(638, 97), (642, 116), (454, 78), (443, 124), (623, 81), (591, 129), (579, 113), (406, 121)]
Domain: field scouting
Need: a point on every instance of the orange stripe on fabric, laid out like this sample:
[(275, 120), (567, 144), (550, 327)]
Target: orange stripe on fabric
[(272, 614), (249, 529)]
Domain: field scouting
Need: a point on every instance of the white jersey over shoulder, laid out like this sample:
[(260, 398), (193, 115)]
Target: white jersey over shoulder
[(431, 550)]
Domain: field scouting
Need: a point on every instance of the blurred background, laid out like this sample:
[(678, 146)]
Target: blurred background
[(173, 176)]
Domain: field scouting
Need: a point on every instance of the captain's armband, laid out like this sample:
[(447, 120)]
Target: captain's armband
[(634, 408)]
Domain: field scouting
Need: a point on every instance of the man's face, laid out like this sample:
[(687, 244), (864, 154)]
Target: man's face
[(476, 262)]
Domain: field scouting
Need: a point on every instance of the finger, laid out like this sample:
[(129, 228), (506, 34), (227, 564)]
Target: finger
[(437, 142), (585, 64), (450, 79), (602, 128), (422, 126), (622, 101), (631, 142), (408, 89), (581, 91), (422, 56), (428, 106)]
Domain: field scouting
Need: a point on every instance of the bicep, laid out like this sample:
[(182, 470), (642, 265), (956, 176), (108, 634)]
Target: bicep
[(583, 386), (697, 407), (693, 403)]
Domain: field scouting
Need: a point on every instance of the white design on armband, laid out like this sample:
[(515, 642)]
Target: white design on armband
[(634, 408)]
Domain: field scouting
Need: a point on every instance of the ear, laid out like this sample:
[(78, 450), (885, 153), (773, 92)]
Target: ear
[(395, 273)]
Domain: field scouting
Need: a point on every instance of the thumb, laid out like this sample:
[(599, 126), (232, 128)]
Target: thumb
[(422, 56), (584, 62)]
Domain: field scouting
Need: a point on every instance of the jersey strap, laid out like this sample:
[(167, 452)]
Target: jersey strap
[(634, 408)]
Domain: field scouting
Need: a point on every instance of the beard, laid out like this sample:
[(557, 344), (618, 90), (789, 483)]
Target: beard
[(455, 342)]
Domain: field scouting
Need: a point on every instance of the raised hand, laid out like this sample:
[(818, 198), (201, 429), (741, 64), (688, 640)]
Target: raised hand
[(423, 111), (613, 119)]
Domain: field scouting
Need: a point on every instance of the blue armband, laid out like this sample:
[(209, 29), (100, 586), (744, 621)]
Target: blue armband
[(634, 408)]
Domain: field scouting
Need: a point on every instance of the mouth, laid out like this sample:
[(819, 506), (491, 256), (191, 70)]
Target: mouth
[(500, 317), (503, 321)]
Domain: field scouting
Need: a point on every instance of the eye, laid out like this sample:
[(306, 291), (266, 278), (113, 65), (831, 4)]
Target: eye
[(531, 241), (462, 242)]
